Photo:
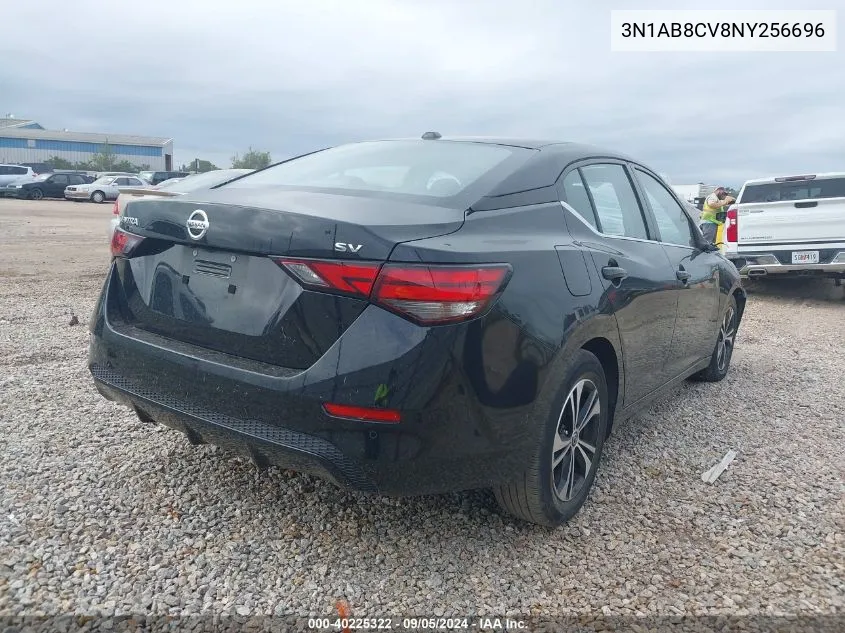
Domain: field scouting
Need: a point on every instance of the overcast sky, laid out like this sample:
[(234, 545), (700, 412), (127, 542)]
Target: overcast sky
[(292, 76)]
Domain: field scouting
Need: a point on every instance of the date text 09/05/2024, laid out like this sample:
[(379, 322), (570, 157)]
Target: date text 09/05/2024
[(415, 624), (722, 29)]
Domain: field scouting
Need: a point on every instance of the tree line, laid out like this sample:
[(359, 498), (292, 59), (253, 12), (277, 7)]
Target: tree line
[(106, 160)]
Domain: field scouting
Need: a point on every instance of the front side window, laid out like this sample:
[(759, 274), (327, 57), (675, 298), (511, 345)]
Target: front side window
[(672, 222)]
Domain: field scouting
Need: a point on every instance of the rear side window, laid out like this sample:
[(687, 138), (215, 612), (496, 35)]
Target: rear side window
[(792, 191), (431, 169), (617, 208), (18, 171), (576, 195)]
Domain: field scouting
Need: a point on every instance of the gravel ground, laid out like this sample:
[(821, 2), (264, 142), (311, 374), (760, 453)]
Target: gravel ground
[(99, 512)]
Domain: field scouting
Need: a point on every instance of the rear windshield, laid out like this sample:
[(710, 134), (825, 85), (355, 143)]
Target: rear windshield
[(434, 170), (791, 191), (205, 180)]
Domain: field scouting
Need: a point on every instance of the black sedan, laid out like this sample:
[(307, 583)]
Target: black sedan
[(45, 186), (417, 316)]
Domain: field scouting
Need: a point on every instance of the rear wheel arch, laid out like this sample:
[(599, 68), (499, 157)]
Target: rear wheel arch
[(598, 335), (603, 349), (740, 297)]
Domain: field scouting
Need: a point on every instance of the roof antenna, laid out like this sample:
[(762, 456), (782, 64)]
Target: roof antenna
[(432, 136)]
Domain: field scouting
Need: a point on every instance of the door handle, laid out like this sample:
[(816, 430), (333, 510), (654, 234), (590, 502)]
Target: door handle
[(614, 273), (682, 276)]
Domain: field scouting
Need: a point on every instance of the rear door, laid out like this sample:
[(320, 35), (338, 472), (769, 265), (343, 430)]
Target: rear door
[(638, 280), (803, 211), (696, 272)]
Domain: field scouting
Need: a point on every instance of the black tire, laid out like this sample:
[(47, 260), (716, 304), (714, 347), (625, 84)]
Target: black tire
[(539, 494), (36, 194), (98, 196), (720, 360)]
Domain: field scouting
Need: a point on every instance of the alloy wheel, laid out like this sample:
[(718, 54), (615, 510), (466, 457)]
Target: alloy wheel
[(724, 346), (576, 439), (37, 194)]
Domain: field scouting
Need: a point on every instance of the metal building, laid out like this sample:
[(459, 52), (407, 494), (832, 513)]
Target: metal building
[(26, 141)]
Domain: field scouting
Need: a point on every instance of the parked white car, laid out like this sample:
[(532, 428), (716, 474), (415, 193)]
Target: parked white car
[(172, 187), (789, 226), (105, 188)]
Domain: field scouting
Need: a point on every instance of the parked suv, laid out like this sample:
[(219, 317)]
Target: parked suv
[(156, 177), (12, 173), (789, 226)]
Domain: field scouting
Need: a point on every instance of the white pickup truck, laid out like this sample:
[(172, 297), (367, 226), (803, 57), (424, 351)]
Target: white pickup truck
[(789, 226)]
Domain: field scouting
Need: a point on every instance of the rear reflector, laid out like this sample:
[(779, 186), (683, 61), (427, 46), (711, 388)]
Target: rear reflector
[(123, 243), (732, 225), (427, 294), (115, 208), (366, 414)]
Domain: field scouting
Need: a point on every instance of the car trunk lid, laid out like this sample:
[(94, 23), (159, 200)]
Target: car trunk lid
[(216, 284)]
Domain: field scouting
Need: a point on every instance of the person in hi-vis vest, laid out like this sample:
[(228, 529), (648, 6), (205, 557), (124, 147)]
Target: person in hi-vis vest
[(713, 204)]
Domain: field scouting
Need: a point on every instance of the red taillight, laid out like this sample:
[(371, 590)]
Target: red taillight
[(367, 414), (732, 225), (352, 278), (123, 243), (428, 294), (433, 294)]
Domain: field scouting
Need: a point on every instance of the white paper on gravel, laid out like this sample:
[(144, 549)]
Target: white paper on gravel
[(712, 475)]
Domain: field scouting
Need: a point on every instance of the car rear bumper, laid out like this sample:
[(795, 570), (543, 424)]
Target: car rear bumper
[(447, 439), (778, 262), (756, 270)]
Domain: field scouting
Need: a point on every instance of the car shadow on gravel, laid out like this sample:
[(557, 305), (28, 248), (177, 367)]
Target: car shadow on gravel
[(294, 499), (798, 288)]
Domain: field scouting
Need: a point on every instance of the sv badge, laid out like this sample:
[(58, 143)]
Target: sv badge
[(347, 248)]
